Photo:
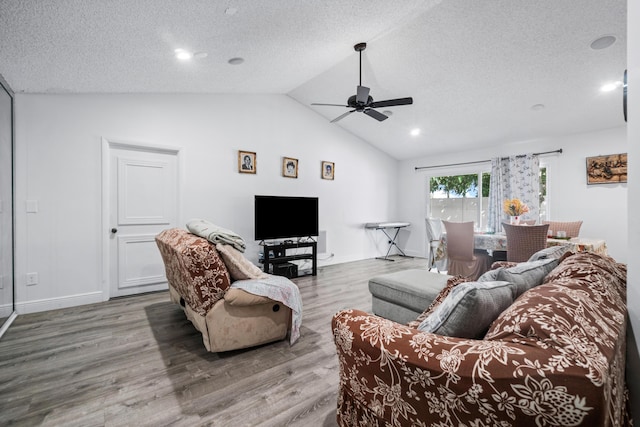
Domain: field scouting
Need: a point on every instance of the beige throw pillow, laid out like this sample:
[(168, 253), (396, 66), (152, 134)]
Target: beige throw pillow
[(239, 267)]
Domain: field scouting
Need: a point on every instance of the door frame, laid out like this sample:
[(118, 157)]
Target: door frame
[(107, 145)]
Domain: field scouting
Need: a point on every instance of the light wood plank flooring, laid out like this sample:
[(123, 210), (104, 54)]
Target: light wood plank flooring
[(139, 361)]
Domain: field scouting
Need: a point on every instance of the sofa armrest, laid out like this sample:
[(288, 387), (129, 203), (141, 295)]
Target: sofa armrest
[(240, 297), (391, 374)]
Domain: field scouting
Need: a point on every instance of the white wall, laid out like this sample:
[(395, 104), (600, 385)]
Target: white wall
[(633, 134), (603, 208), (58, 164)]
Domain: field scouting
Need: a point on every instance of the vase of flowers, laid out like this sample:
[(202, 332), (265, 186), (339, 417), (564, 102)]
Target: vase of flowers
[(515, 209)]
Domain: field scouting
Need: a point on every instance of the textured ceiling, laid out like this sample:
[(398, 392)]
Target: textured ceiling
[(474, 68)]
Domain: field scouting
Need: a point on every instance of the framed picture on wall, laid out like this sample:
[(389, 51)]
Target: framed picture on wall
[(247, 162), (328, 170), (611, 169), (289, 167)]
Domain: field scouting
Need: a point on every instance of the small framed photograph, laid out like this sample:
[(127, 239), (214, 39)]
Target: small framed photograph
[(247, 162), (328, 169), (289, 167)]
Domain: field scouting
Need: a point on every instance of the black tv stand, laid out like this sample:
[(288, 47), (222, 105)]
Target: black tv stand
[(276, 253)]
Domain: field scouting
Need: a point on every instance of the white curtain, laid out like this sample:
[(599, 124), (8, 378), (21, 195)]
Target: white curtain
[(513, 177)]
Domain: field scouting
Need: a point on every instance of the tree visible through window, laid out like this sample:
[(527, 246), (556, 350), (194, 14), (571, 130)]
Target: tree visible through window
[(543, 193), (460, 185)]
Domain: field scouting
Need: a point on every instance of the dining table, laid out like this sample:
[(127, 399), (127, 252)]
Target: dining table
[(492, 242)]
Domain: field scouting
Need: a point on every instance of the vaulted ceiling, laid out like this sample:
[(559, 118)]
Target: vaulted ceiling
[(481, 73)]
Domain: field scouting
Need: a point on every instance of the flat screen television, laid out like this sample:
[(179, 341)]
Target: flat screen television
[(280, 217)]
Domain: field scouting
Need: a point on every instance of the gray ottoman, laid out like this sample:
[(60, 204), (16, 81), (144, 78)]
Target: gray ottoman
[(402, 296)]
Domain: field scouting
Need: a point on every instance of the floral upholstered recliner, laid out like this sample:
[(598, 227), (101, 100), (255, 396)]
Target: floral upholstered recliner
[(229, 318), (554, 357)]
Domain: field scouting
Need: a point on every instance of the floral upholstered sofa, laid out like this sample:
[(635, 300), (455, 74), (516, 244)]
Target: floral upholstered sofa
[(554, 356)]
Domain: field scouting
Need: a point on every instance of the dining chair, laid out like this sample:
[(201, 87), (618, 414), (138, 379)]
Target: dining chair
[(524, 240), (462, 259), (572, 228), (434, 236)]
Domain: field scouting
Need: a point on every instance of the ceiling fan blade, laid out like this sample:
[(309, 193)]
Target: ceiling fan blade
[(330, 105), (375, 114), (392, 102), (342, 116), (362, 95)]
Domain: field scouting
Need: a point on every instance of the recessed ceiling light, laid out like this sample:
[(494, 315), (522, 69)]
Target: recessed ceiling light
[(183, 55), (236, 61), (415, 132), (388, 112), (537, 107), (611, 86), (603, 42)]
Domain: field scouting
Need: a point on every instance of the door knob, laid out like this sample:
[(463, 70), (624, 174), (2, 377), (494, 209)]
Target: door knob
[(114, 230)]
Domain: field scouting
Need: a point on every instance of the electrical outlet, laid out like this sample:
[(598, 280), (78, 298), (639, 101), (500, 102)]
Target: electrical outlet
[(32, 206), (32, 279), (2, 279)]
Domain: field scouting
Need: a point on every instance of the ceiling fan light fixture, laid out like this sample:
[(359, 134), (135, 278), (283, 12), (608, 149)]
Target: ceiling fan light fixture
[(362, 102)]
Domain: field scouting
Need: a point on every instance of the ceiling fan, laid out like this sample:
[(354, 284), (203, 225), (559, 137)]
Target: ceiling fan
[(362, 102)]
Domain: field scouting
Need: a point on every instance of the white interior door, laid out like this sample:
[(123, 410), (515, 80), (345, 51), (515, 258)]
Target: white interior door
[(143, 200)]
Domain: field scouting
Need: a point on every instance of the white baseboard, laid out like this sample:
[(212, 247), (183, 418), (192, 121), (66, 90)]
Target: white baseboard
[(415, 254), (59, 302), (7, 323), (6, 310)]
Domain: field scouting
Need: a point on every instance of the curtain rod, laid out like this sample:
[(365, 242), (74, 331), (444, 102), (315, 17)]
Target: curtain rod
[(485, 161)]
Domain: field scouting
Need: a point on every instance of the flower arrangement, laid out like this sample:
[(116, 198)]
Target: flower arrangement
[(514, 207)]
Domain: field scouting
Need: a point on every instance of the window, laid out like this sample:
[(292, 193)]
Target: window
[(543, 194), (466, 197), (460, 198)]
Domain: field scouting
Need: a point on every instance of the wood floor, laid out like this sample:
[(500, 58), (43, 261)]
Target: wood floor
[(138, 361)]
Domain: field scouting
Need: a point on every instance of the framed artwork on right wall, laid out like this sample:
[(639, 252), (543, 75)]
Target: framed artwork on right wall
[(610, 169)]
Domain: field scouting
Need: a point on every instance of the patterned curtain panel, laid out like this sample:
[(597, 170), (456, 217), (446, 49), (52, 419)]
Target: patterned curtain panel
[(514, 177)]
